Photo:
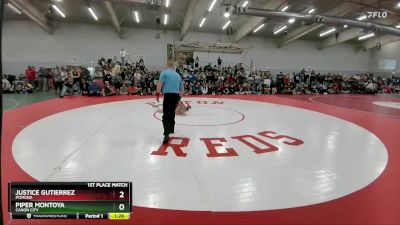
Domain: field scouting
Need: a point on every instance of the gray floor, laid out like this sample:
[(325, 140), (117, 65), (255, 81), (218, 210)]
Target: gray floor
[(390, 95), (12, 101)]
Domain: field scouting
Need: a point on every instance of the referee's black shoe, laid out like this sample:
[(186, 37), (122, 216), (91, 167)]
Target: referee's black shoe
[(166, 139)]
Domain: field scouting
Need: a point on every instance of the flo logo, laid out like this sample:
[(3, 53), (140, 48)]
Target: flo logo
[(377, 14)]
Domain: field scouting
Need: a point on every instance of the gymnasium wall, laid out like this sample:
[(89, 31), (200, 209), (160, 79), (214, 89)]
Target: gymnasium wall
[(383, 60), (26, 43), (299, 54)]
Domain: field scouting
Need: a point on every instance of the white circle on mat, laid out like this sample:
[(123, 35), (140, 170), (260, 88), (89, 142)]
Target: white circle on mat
[(114, 142), (394, 105)]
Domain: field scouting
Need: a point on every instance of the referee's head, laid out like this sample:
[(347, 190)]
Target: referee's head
[(170, 64)]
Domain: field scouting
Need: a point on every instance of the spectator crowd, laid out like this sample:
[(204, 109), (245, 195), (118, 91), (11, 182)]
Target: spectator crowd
[(113, 77)]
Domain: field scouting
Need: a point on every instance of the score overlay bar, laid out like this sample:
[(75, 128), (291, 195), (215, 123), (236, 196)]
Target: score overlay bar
[(70, 200)]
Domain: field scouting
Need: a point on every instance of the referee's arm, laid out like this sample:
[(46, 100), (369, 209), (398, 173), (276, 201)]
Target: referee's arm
[(159, 89), (181, 91), (159, 86)]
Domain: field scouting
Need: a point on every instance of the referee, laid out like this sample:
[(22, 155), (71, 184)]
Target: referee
[(170, 84)]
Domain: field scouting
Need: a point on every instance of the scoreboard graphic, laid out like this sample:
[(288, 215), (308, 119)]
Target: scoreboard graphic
[(70, 200)]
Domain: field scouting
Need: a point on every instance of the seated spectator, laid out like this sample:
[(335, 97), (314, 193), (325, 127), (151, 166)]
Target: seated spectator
[(204, 88), (185, 75), (202, 78), (117, 82), (250, 79), (100, 82), (230, 79), (6, 84), (124, 89), (244, 89), (335, 88), (84, 87), (224, 89), (107, 76), (109, 90), (137, 78), (212, 88), (221, 78), (388, 89), (67, 86), (18, 85), (290, 88), (187, 88), (258, 89), (267, 89), (192, 77), (196, 89), (94, 89), (209, 77), (145, 90), (370, 87), (299, 89), (232, 89), (133, 90), (322, 88), (152, 88), (27, 88), (274, 90)]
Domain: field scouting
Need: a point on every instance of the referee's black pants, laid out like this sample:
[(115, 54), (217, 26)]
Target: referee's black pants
[(169, 106)]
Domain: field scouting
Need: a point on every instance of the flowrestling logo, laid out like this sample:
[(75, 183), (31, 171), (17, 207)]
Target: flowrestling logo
[(377, 15)]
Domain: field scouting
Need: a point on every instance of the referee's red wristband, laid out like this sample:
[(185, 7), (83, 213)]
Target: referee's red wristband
[(158, 94)]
